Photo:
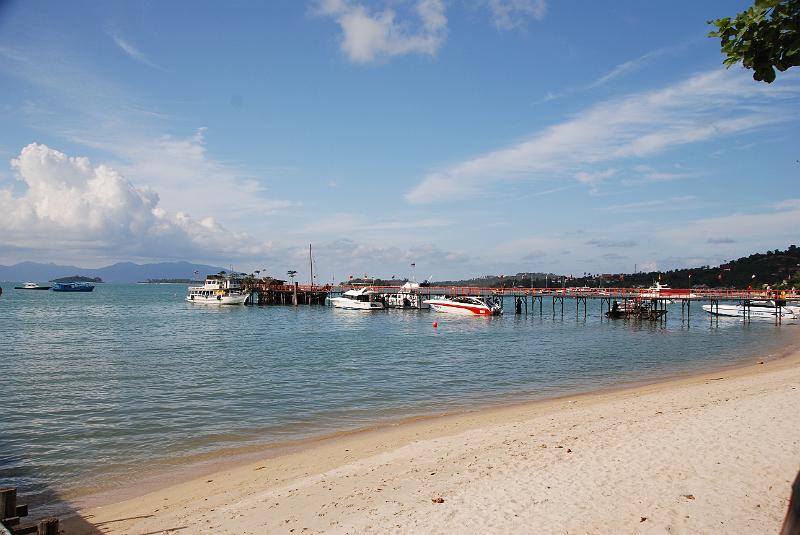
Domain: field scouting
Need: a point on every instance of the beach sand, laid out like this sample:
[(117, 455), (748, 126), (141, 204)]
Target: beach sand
[(714, 453)]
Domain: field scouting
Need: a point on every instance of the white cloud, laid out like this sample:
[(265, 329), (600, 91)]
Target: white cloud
[(71, 205), (510, 14), (131, 50), (704, 107), (594, 178), (368, 35), (767, 228), (181, 167)]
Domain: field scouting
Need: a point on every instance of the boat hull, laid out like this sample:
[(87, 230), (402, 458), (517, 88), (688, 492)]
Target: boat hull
[(239, 299), (37, 288), (738, 311), (351, 304), (460, 309), (73, 289)]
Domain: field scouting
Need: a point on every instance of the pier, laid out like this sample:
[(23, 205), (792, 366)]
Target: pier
[(11, 514), (531, 300)]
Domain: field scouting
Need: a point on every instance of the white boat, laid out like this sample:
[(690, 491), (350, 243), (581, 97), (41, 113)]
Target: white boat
[(360, 299), (757, 310), (31, 286), (663, 291), (407, 296), (466, 306), (218, 290)]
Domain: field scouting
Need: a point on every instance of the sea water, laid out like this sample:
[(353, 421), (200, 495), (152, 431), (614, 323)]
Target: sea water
[(103, 387)]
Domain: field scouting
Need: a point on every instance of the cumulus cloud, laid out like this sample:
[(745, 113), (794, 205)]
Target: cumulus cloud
[(704, 107), (510, 14), (68, 203), (368, 34)]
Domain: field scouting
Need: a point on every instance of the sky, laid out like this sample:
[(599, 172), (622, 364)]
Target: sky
[(464, 137)]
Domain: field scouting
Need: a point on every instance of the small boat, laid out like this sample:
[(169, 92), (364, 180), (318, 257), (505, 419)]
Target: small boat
[(635, 310), (757, 310), (73, 287), (663, 291), (466, 306), (218, 290), (358, 299), (31, 286)]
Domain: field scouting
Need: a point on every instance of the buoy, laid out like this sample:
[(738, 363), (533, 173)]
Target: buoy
[(435, 324)]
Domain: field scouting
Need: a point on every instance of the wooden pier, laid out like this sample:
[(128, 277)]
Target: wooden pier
[(270, 293), (528, 300), (11, 514)]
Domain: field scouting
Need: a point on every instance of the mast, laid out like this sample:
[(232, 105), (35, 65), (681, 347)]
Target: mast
[(311, 265)]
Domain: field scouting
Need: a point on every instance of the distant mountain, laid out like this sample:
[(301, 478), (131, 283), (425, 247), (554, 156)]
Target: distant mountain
[(119, 272)]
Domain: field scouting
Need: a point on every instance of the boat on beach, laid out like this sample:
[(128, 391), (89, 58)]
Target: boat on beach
[(218, 290), (73, 287), (31, 286), (768, 310), (466, 306), (358, 299)]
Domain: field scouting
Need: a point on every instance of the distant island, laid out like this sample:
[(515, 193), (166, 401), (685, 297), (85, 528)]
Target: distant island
[(170, 281), (77, 278)]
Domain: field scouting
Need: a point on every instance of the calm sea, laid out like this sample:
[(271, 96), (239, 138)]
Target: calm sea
[(97, 386)]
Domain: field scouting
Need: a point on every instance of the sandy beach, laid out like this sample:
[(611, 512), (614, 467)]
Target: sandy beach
[(713, 453)]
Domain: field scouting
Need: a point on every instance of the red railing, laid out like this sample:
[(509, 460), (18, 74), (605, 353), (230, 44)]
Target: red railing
[(636, 293)]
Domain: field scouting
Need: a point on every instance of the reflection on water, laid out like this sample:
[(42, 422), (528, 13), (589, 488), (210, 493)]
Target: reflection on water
[(95, 384)]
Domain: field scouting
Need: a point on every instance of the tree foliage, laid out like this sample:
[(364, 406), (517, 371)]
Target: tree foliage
[(763, 38)]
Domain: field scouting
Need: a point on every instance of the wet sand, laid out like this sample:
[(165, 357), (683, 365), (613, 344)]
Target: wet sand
[(710, 453)]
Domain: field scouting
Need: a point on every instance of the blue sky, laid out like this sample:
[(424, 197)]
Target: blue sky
[(495, 136)]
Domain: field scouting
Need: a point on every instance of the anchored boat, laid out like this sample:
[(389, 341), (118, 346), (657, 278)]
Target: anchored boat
[(31, 286), (466, 306), (218, 290), (755, 310), (73, 287), (360, 299)]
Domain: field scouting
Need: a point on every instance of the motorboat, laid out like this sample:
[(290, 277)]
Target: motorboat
[(218, 290), (755, 310), (663, 291), (640, 310), (358, 299), (408, 296), (31, 286), (466, 306), (73, 287)]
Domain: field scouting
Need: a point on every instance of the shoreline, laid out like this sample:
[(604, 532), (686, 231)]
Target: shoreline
[(200, 465), (317, 455)]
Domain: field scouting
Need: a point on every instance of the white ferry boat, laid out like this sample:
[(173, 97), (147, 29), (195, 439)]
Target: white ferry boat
[(360, 299), (218, 290)]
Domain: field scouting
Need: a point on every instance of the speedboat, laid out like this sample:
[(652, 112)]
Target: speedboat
[(757, 309), (357, 299), (31, 286), (218, 290), (466, 306), (73, 287)]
